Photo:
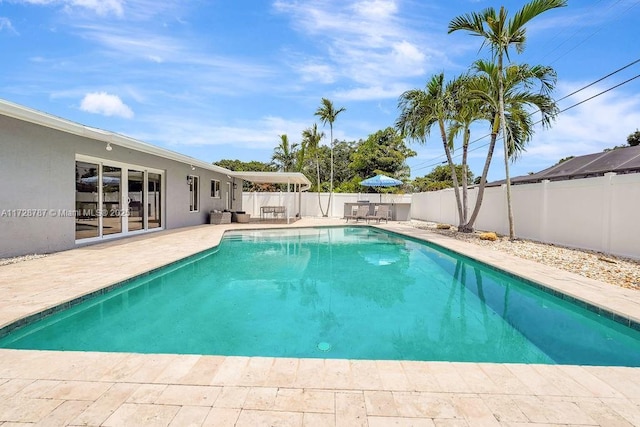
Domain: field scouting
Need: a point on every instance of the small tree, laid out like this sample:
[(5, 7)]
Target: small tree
[(634, 139), (440, 178), (384, 150)]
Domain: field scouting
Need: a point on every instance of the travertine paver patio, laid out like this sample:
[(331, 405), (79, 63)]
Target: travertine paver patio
[(87, 388)]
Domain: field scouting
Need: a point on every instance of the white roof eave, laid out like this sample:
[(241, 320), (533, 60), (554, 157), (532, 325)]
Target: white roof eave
[(19, 112), (276, 178)]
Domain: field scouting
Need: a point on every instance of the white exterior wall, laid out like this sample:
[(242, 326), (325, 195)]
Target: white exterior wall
[(593, 213), (37, 172)]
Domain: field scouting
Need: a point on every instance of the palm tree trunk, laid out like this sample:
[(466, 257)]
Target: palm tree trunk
[(454, 176), (465, 196), (318, 184), (331, 178), (468, 227), (505, 139)]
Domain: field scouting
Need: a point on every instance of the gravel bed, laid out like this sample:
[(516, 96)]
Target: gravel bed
[(595, 265), (7, 261)]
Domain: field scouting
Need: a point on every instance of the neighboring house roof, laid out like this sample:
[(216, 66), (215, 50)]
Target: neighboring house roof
[(621, 161), (37, 117)]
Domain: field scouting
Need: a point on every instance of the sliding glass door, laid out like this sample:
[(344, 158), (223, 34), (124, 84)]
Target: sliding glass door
[(114, 199), (135, 200), (87, 181), (111, 200), (154, 192)]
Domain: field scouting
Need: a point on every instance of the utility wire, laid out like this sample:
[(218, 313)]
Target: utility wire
[(600, 79), (420, 166), (598, 94), (564, 54), (539, 121), (588, 36)]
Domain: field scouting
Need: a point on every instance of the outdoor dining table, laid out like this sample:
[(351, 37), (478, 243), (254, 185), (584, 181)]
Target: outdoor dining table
[(274, 210)]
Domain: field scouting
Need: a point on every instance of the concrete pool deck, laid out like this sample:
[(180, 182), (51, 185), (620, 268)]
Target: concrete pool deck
[(90, 388)]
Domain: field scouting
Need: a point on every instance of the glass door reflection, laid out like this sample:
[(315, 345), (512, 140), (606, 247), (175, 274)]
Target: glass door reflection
[(87, 177), (111, 200), (154, 213), (135, 200)]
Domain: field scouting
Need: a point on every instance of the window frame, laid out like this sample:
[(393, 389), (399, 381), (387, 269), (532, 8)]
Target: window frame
[(194, 193), (215, 189)]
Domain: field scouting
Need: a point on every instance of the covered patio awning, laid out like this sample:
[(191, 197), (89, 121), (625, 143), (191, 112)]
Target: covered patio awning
[(296, 178)]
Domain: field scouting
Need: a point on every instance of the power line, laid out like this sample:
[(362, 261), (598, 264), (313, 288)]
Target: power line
[(588, 36), (564, 54), (599, 80), (436, 163), (598, 94)]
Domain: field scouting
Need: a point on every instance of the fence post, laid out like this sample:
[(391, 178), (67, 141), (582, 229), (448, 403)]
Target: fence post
[(544, 212), (607, 197)]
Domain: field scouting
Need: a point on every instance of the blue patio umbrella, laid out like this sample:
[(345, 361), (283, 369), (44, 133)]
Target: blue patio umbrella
[(381, 181)]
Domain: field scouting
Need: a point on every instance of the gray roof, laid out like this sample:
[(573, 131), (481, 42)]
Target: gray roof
[(620, 160)]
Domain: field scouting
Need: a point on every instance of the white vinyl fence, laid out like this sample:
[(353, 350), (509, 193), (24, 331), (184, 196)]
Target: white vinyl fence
[(598, 213), (601, 213), (251, 202)]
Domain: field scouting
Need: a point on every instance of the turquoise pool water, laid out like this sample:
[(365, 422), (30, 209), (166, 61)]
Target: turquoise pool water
[(351, 292)]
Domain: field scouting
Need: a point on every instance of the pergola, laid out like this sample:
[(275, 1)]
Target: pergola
[(295, 179)]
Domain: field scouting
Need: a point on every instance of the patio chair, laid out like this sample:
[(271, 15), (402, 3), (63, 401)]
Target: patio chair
[(361, 213), (381, 213)]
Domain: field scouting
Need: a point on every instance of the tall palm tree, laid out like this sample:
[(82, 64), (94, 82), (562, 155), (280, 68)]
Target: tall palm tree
[(312, 138), (421, 109), (301, 156), (284, 155), (467, 110), (518, 83), (500, 33), (328, 114)]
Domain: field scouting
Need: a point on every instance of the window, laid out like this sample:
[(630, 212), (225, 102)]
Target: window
[(215, 188), (194, 196)]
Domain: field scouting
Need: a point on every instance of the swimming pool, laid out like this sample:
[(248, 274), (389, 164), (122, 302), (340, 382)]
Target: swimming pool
[(351, 292)]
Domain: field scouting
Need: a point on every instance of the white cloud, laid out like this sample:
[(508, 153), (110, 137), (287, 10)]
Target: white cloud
[(371, 92), (366, 43), (376, 9), (407, 56), (101, 7), (105, 104), (5, 25), (600, 123), (318, 73), (195, 130)]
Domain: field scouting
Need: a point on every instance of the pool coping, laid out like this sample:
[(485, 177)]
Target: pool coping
[(110, 388)]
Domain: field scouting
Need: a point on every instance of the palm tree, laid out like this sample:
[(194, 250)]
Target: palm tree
[(312, 138), (284, 155), (467, 111), (328, 114), (421, 109), (518, 82), (500, 33)]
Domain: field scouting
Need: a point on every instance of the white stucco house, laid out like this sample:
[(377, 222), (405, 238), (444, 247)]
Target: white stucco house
[(63, 184)]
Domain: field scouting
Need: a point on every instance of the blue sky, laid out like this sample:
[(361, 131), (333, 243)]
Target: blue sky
[(222, 79)]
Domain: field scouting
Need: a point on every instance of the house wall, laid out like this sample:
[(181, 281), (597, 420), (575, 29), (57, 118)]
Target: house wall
[(37, 172), (591, 213)]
